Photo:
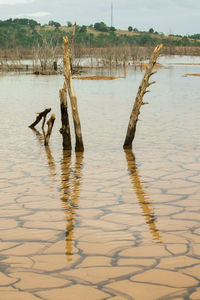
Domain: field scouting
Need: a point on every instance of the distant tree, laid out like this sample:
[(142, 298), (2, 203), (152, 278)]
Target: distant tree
[(130, 28), (69, 24), (112, 29), (56, 24), (151, 30), (185, 41), (83, 29), (91, 25), (101, 26), (135, 30), (33, 23), (21, 21), (194, 36)]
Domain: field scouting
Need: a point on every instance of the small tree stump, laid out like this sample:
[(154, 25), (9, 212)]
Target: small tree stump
[(50, 123), (41, 115), (139, 98)]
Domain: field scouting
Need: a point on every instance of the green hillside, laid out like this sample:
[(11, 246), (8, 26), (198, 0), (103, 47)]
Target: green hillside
[(27, 33)]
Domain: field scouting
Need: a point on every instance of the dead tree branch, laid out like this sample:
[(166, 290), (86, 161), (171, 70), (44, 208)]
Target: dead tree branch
[(139, 98), (41, 115)]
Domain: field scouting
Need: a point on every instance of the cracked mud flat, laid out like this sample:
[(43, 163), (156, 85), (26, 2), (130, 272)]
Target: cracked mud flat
[(106, 224)]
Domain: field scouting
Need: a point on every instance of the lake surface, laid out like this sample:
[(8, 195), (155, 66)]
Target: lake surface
[(105, 224)]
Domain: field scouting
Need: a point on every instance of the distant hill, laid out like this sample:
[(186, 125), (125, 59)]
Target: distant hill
[(27, 33)]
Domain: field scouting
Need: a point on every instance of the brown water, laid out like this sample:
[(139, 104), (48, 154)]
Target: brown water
[(106, 224)]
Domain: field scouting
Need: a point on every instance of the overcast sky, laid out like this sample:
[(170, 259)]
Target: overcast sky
[(168, 16)]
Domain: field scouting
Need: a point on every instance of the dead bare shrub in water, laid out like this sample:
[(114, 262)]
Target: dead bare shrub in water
[(11, 59), (111, 56), (45, 56)]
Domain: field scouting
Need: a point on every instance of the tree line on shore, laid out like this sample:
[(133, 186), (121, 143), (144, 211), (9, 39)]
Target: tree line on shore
[(27, 33)]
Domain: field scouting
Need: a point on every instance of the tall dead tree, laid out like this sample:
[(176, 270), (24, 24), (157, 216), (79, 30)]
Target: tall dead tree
[(65, 129), (72, 40), (79, 147), (72, 49), (139, 98)]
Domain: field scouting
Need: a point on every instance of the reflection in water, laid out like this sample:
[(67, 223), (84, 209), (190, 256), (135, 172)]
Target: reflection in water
[(40, 137), (147, 207), (70, 184), (50, 159)]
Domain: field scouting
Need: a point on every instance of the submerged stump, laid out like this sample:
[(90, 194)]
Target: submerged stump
[(50, 124), (65, 129)]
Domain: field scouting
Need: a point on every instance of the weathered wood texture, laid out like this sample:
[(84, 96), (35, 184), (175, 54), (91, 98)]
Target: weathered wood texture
[(50, 123), (72, 39), (139, 98), (71, 48), (41, 115), (79, 147), (65, 129)]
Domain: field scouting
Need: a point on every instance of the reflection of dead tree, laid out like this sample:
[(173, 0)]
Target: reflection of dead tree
[(50, 159), (41, 115), (70, 183), (139, 98), (147, 208)]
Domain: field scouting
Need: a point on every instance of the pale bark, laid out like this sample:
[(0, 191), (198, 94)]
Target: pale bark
[(139, 98), (67, 73), (50, 123)]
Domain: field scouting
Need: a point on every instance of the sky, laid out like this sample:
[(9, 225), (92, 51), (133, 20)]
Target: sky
[(167, 16)]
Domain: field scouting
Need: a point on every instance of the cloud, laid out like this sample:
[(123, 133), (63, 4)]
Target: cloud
[(38, 14), (15, 2)]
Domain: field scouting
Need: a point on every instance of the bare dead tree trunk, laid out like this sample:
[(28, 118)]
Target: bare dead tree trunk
[(41, 115), (67, 73), (139, 98), (72, 47), (50, 123), (55, 66), (72, 39), (65, 129)]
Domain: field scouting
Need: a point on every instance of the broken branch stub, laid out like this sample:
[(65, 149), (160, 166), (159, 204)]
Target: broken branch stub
[(67, 73), (50, 123), (65, 129), (139, 98), (41, 115)]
